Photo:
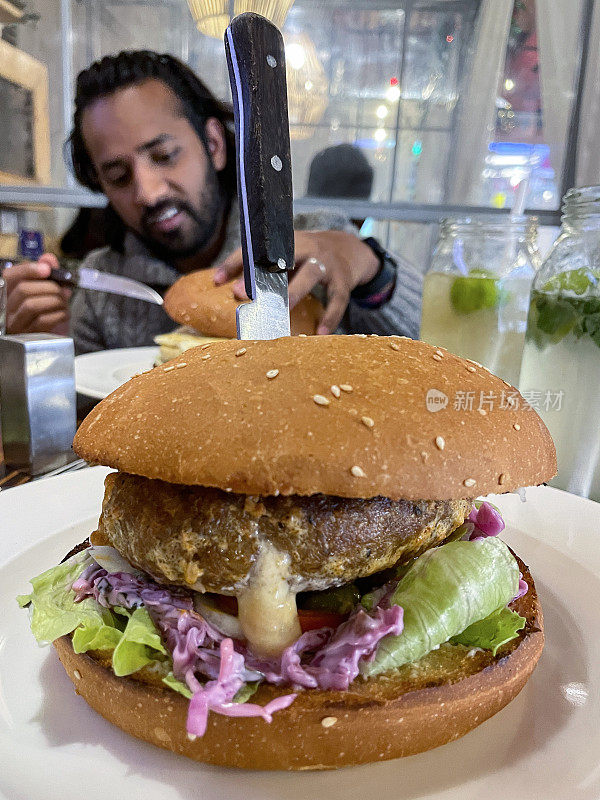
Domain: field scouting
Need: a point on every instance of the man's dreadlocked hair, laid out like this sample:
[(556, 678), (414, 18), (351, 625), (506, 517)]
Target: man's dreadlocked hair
[(110, 73)]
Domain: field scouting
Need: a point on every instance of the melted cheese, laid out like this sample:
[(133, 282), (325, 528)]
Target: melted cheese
[(267, 608)]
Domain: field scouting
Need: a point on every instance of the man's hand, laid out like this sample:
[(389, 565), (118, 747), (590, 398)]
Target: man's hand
[(36, 304), (338, 260)]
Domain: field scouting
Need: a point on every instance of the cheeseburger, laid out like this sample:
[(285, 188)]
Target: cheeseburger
[(291, 570), (207, 313)]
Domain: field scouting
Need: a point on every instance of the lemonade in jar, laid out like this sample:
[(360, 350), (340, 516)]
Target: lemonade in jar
[(560, 374), (476, 293)]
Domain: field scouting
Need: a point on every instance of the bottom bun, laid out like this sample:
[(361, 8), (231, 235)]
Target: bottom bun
[(417, 707)]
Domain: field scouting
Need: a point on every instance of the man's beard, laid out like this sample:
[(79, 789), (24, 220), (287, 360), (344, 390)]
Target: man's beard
[(206, 219)]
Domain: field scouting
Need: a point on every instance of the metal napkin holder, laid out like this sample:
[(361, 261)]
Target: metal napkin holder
[(38, 413)]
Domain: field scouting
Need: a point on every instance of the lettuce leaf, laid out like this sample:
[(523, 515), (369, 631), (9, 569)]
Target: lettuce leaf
[(492, 632), (243, 694), (54, 612), (178, 686), (97, 635), (445, 591), (132, 636), (140, 644)]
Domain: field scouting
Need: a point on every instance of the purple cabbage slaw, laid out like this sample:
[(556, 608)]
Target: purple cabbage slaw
[(323, 658)]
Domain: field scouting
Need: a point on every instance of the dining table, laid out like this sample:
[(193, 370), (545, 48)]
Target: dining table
[(12, 476)]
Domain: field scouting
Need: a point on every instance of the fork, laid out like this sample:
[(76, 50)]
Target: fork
[(72, 466)]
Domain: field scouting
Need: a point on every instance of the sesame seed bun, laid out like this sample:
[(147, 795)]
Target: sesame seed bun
[(440, 698), (350, 416), (195, 301)]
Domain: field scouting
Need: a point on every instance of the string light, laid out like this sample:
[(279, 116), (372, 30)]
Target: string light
[(393, 92)]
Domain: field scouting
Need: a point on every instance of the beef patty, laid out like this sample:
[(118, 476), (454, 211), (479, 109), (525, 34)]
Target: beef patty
[(209, 539)]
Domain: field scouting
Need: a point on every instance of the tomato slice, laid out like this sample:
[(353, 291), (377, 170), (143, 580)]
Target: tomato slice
[(311, 620)]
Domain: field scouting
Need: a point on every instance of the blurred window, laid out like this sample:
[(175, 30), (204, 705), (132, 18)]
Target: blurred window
[(453, 102)]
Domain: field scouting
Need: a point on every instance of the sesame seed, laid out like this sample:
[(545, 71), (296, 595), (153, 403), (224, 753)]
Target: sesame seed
[(272, 373), (241, 351), (482, 411), (471, 369), (205, 356), (303, 335), (320, 400), (367, 421), (362, 335), (439, 353), (168, 369), (394, 346), (184, 364), (439, 442), (204, 346), (436, 357), (358, 472), (469, 482), (336, 391), (191, 737), (77, 674), (502, 478), (345, 387), (327, 722), (516, 426)]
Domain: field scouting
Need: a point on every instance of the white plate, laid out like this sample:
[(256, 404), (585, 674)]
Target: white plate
[(99, 374), (545, 744)]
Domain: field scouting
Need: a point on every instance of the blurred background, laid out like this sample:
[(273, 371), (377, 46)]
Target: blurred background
[(452, 102)]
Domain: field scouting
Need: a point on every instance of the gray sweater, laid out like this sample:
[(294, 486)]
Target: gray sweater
[(103, 321)]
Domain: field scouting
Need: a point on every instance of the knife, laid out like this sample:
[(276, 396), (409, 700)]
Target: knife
[(85, 278), (256, 61)]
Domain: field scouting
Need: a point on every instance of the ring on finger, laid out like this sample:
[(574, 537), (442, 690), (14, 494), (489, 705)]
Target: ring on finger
[(317, 263)]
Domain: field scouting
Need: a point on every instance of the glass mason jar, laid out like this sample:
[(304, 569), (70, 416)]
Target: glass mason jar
[(3, 299), (476, 292), (560, 375)]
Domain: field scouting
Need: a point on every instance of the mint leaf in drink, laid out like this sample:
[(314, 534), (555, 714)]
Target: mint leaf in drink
[(555, 316), (552, 316)]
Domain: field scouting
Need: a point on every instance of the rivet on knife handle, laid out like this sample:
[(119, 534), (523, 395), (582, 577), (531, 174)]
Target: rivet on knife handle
[(256, 60)]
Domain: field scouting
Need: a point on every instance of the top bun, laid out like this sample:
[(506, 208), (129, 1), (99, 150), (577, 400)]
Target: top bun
[(195, 301), (352, 416)]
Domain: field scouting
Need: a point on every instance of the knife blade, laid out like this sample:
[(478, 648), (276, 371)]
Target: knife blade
[(256, 62), (85, 278)]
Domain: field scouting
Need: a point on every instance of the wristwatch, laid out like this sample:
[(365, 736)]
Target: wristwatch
[(380, 288)]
